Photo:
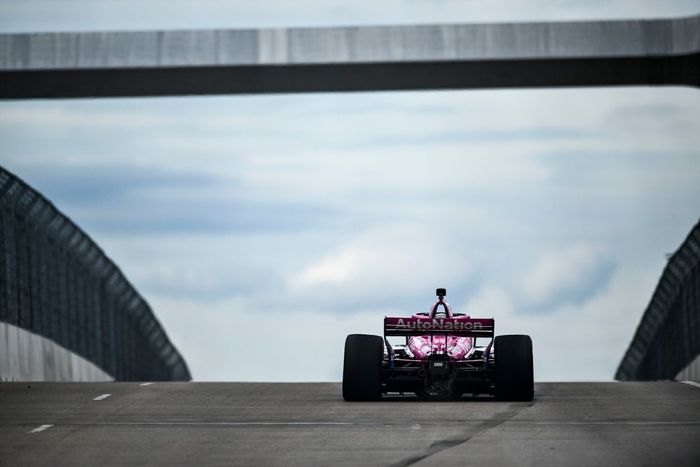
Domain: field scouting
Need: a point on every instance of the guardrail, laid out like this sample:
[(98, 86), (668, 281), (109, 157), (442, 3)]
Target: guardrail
[(56, 282), (667, 339)]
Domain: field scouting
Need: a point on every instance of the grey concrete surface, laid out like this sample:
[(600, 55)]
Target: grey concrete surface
[(25, 356), (568, 424), (583, 53)]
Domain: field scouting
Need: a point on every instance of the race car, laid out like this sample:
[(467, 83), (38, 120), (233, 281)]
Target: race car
[(438, 358)]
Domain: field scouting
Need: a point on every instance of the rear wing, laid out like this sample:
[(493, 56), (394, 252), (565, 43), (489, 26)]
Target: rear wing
[(464, 327)]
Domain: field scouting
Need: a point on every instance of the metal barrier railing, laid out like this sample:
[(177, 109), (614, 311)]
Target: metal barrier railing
[(56, 282), (668, 336)]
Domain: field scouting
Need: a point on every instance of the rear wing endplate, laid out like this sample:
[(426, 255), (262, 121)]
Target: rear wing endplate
[(464, 327)]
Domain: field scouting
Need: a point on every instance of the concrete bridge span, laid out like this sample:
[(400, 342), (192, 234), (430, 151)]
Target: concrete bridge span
[(339, 59)]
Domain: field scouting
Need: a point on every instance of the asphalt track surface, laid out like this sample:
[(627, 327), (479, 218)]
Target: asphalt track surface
[(568, 424)]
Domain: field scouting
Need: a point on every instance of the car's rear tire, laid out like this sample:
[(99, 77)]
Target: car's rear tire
[(514, 369), (362, 368)]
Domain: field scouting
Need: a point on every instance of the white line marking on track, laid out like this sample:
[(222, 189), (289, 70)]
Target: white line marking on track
[(40, 428), (145, 384), (227, 423), (692, 383), (101, 397), (605, 422)]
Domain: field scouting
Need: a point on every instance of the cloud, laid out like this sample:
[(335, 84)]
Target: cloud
[(90, 181), (392, 265), (330, 270), (148, 214), (48, 115), (81, 15), (135, 199), (241, 340), (489, 301), (571, 275), (575, 342)]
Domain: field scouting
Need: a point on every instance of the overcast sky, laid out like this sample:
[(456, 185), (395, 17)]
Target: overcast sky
[(317, 215)]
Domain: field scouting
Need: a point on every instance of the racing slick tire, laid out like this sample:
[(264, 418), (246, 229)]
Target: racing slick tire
[(362, 368), (514, 369)]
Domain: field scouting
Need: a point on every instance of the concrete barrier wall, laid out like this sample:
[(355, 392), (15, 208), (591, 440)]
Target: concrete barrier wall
[(25, 356), (691, 372)]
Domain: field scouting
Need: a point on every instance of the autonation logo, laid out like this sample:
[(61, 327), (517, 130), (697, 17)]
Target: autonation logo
[(438, 324)]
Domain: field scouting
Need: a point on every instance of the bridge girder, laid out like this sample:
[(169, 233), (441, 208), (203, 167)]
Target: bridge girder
[(377, 58)]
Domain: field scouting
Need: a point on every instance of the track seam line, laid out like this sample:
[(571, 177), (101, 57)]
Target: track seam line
[(439, 446), (269, 423)]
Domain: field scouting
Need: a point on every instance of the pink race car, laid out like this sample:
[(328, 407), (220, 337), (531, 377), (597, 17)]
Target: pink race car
[(438, 358)]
